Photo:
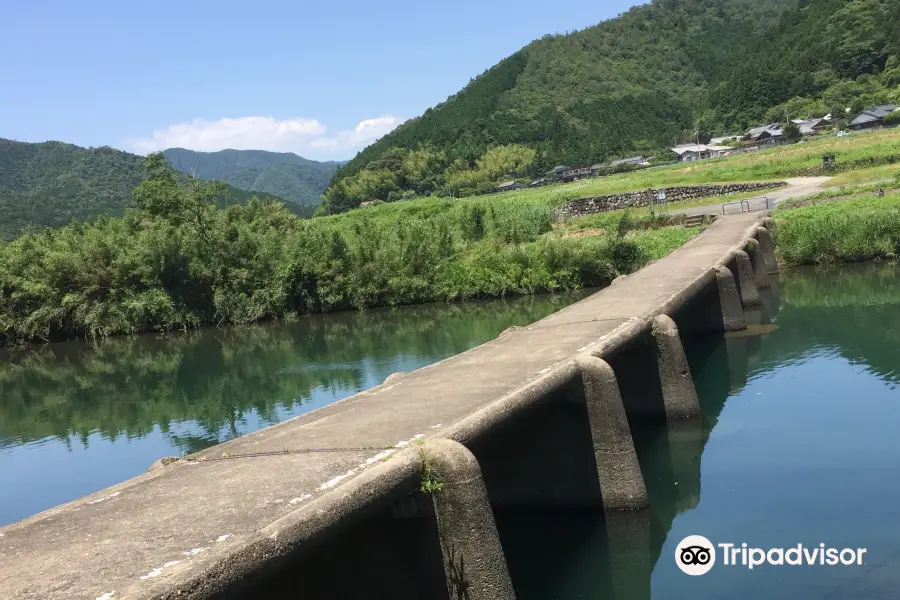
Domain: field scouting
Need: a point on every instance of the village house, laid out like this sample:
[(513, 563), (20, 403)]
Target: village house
[(564, 173), (872, 118), (695, 152), (510, 185), (719, 141), (812, 126), (634, 161), (767, 135)]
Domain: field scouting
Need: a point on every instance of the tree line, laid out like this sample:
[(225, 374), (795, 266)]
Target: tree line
[(178, 260)]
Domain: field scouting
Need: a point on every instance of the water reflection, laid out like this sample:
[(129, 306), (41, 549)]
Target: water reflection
[(774, 405), (76, 417)]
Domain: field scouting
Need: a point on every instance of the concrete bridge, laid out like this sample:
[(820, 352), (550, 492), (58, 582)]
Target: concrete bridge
[(541, 417)]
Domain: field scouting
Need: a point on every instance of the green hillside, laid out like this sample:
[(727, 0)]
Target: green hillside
[(50, 183), (283, 174), (634, 85), (825, 57)]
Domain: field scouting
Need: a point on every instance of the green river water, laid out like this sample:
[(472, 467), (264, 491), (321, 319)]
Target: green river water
[(76, 418), (799, 444), (799, 441)]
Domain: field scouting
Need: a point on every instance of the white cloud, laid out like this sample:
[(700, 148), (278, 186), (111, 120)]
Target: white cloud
[(307, 137), (359, 137)]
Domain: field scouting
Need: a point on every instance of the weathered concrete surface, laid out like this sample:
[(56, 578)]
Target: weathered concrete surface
[(767, 249), (474, 564), (621, 481), (198, 527), (678, 393), (394, 377), (730, 300), (759, 265), (745, 277)]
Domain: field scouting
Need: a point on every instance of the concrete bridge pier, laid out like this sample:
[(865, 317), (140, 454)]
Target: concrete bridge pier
[(621, 481), (474, 563), (678, 392), (732, 312), (716, 308), (760, 270), (653, 374), (745, 278), (767, 246), (542, 455)]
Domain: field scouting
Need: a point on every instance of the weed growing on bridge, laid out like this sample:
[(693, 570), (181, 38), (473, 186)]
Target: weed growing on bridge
[(432, 482)]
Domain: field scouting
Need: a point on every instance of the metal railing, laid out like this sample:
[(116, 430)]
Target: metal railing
[(745, 206), (750, 204), (765, 200)]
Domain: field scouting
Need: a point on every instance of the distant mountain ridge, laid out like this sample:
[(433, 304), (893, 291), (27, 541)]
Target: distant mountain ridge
[(630, 85), (48, 184), (283, 174)]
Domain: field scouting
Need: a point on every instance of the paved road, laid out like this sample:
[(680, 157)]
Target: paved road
[(798, 187), (176, 525)]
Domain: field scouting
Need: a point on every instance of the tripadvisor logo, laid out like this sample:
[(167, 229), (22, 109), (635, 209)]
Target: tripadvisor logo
[(696, 555)]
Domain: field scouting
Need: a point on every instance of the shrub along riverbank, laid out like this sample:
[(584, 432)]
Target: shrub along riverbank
[(834, 229), (178, 262)]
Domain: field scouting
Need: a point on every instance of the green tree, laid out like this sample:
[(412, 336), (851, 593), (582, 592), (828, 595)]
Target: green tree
[(178, 198), (791, 132)]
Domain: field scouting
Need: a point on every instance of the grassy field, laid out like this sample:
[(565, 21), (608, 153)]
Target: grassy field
[(839, 229), (872, 174), (852, 153)]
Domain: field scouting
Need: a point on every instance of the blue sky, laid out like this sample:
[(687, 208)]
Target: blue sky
[(321, 79)]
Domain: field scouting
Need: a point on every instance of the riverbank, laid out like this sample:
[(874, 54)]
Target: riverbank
[(159, 269), (177, 261), (843, 225)]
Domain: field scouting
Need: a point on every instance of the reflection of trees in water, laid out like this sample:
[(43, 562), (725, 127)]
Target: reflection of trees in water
[(853, 310), (128, 386)]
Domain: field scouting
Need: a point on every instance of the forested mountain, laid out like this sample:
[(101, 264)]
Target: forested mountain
[(828, 56), (636, 84), (283, 174), (50, 183)]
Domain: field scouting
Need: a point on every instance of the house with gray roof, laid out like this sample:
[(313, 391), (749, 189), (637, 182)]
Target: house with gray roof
[(718, 141), (637, 161), (766, 135), (509, 186), (812, 126), (619, 165), (872, 118), (695, 152)]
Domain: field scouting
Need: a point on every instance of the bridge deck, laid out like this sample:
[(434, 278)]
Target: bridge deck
[(136, 538)]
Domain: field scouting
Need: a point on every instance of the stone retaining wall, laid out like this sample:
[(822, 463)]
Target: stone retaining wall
[(598, 204)]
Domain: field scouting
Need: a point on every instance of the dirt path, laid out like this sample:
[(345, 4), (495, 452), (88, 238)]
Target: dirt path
[(798, 187)]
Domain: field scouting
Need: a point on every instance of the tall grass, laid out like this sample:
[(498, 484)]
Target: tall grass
[(884, 173), (859, 229), (258, 262)]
